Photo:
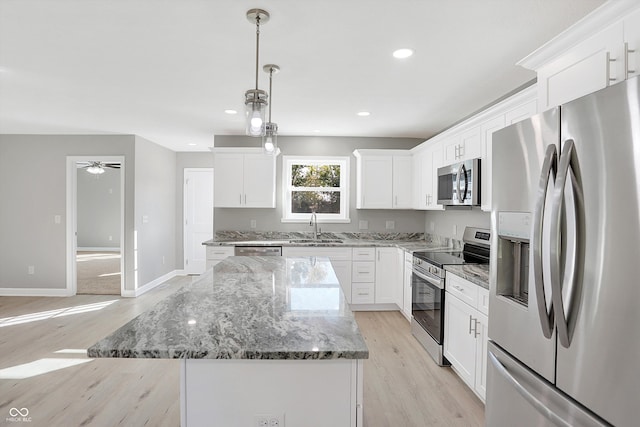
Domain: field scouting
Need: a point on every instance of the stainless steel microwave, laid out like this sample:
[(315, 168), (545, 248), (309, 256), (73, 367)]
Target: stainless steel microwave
[(459, 184)]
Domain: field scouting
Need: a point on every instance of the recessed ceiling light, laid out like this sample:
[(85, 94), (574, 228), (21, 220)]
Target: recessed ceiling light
[(193, 144), (231, 111), (316, 130), (402, 53), (363, 113)]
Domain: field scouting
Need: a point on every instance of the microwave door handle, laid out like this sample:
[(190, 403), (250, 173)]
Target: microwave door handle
[(466, 183), (549, 167), (460, 199), (568, 167)]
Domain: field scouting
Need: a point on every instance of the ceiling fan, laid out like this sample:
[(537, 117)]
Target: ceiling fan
[(97, 168)]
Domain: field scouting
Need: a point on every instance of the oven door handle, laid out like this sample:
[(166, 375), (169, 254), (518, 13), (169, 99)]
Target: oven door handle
[(435, 282)]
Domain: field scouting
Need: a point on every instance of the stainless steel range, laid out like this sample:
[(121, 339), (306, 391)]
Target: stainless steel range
[(427, 306)]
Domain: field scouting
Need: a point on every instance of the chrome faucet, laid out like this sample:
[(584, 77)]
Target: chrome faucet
[(314, 222)]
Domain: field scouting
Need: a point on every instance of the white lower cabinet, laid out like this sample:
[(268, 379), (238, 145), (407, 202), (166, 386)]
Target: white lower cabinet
[(465, 331), (215, 254), (340, 261), (389, 276)]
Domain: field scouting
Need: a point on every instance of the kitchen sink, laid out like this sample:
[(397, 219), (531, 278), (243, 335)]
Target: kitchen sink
[(316, 241)]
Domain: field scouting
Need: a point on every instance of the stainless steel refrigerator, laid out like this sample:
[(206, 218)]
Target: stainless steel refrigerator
[(564, 309)]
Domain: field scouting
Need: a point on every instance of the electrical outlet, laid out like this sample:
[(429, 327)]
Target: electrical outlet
[(455, 230), (363, 224), (269, 420), (31, 269), (110, 238), (162, 259), (253, 223), (432, 226), (57, 219), (390, 225)]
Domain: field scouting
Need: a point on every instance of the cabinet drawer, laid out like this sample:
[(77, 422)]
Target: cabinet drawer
[(463, 289), (364, 254), (219, 252), (483, 301), (362, 293), (334, 254), (363, 271)]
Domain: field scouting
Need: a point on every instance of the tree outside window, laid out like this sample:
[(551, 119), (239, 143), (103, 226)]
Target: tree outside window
[(315, 185)]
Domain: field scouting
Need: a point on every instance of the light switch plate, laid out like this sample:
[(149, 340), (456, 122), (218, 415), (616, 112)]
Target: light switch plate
[(390, 225), (253, 223), (363, 224)]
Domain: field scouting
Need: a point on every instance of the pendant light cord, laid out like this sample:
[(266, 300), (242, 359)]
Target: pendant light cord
[(270, 91), (257, 47)]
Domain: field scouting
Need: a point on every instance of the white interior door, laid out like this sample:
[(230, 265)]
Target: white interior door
[(198, 217)]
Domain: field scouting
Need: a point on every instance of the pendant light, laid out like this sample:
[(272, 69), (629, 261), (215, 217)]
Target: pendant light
[(255, 99), (270, 136)]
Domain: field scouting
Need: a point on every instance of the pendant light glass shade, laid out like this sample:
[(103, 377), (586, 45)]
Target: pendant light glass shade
[(255, 110), (270, 138)]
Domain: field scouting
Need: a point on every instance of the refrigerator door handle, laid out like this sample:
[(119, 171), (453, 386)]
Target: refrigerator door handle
[(568, 167), (549, 166), (526, 394)]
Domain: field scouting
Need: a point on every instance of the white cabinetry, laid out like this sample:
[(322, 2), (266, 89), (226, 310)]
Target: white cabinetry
[(363, 275), (465, 331), (383, 179), (215, 254), (407, 285), (244, 178), (595, 53), (389, 278), (340, 261), (425, 166), (463, 146)]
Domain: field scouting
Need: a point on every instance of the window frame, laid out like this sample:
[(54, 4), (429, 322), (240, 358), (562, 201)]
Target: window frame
[(287, 188)]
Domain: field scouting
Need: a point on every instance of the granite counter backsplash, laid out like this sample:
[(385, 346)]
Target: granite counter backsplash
[(407, 241)]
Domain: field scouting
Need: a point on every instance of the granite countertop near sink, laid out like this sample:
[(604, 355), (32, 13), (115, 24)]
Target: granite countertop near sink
[(246, 308), (475, 273), (410, 242)]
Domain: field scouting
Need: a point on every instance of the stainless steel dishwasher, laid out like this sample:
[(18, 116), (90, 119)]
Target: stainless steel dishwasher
[(258, 251)]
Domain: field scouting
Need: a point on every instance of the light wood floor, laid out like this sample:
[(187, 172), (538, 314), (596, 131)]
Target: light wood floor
[(403, 387)]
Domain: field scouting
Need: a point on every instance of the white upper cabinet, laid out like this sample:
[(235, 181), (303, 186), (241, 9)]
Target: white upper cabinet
[(599, 51), (425, 166), (244, 178), (463, 146), (383, 179), (402, 182)]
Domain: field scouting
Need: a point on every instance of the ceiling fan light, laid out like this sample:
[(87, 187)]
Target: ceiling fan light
[(96, 170)]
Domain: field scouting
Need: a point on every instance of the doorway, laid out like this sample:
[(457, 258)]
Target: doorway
[(198, 217), (95, 225)]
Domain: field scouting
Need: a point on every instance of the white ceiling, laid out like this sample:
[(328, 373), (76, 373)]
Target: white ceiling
[(166, 69)]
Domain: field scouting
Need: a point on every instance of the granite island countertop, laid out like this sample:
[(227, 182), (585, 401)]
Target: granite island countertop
[(409, 242), (246, 308), (475, 273)]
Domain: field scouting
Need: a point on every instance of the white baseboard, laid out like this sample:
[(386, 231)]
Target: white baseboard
[(374, 307), (146, 288), (98, 249), (34, 292)]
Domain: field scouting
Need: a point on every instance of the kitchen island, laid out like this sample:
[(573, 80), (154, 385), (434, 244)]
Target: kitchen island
[(259, 338)]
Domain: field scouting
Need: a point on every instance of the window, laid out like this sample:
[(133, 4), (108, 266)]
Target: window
[(315, 184)]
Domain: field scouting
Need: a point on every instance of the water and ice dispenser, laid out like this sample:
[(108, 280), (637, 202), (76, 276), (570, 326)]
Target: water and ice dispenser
[(514, 229)]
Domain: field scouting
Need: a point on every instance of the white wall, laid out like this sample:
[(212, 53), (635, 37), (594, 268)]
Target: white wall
[(33, 191), (155, 211), (98, 209), (269, 219)]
